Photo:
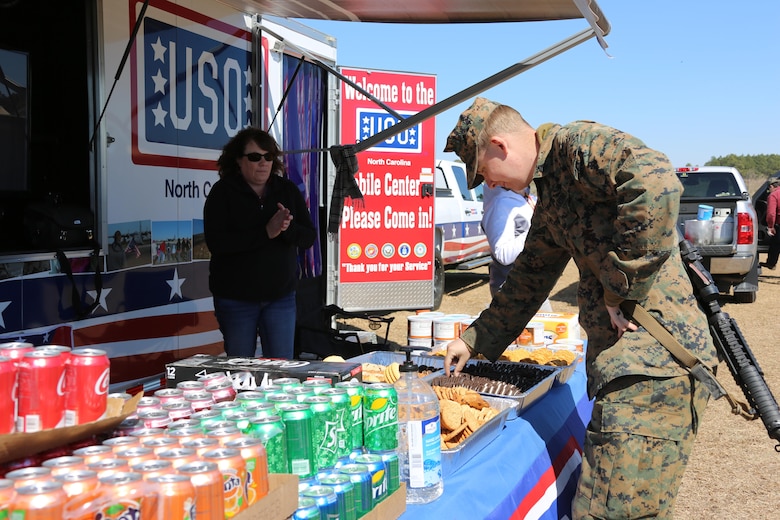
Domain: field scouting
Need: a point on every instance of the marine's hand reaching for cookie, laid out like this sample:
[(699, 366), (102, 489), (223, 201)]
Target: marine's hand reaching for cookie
[(457, 351)]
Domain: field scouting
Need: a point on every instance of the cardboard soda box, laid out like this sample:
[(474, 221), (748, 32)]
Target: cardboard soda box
[(558, 325)]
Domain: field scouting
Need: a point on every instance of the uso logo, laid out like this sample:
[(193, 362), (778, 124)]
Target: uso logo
[(371, 121), (191, 87)]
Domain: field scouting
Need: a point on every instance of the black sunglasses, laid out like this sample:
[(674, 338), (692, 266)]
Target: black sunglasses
[(256, 156)]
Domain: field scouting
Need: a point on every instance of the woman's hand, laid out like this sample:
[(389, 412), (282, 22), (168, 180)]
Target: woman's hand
[(619, 321), (279, 222)]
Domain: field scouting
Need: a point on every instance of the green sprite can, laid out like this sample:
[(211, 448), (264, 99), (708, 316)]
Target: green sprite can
[(318, 384), (226, 406), (390, 459), (323, 430), (270, 390), (207, 417), (356, 391), (278, 399), (301, 392), (261, 409), (380, 417), (287, 382), (271, 431), (307, 509), (378, 471), (297, 419), (341, 404), (250, 396), (360, 476), (345, 494), (240, 418)]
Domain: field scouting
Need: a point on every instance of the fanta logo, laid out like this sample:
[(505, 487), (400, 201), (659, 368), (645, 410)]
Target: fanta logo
[(120, 512), (231, 484), (101, 385)]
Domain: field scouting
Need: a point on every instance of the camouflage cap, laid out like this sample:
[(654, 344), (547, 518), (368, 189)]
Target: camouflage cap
[(463, 138)]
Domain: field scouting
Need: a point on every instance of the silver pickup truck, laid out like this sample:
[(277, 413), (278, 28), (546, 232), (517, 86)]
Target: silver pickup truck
[(731, 255)]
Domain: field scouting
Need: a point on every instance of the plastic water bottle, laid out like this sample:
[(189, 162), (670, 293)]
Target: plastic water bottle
[(419, 435)]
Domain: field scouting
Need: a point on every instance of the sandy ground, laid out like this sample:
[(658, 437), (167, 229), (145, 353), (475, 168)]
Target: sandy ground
[(734, 471)]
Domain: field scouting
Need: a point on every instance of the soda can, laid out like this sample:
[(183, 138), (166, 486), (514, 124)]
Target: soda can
[(225, 434), (120, 395), (380, 417), (390, 458), (318, 384), (221, 392), (233, 468), (297, 419), (271, 390), (280, 399), (148, 402), (26, 476), (78, 482), (341, 406), (129, 496), (122, 443), (240, 418), (225, 406), (155, 418), (218, 425), (64, 464), (271, 432), (360, 476), (108, 467), (378, 471), (178, 410), (39, 501), (326, 500), (148, 433), (201, 444), (190, 387), (207, 417), (256, 460), (345, 494), (324, 436), (301, 392), (356, 391), (136, 454), (62, 349), (86, 386), (213, 378), (307, 509), (199, 401), (183, 424), (149, 469), (209, 490), (287, 382), (128, 426), (15, 349), (167, 395), (263, 409), (8, 371), (175, 497), (178, 456), (249, 396), (94, 453), (6, 495), (185, 434), (41, 391), (158, 444)]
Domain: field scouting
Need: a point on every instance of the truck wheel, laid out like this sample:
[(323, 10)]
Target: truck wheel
[(438, 281), (745, 297)]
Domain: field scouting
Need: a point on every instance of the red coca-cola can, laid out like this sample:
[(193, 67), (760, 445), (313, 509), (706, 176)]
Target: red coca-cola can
[(15, 349), (86, 386), (41, 391), (8, 372), (62, 349)]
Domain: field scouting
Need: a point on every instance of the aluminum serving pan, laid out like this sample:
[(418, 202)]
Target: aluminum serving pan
[(383, 357), (452, 459)]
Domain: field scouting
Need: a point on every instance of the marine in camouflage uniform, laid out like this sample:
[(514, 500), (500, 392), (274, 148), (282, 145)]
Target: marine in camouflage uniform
[(610, 203)]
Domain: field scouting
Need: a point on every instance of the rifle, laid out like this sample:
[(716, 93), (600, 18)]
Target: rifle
[(732, 346)]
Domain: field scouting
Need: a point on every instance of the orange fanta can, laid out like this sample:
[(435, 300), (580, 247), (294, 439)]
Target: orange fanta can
[(253, 452), (130, 496), (39, 501), (175, 497), (209, 489), (233, 468)]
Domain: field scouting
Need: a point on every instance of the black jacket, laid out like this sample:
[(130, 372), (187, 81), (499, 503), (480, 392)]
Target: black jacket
[(245, 263)]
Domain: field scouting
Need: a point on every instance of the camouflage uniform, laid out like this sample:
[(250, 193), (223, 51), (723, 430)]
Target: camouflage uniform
[(610, 203)]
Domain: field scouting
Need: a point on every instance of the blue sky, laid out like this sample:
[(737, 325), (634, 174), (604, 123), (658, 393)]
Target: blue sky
[(693, 79)]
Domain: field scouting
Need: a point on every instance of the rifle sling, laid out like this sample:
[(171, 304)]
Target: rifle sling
[(688, 360)]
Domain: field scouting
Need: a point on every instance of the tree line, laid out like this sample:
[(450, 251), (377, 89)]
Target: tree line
[(754, 166)]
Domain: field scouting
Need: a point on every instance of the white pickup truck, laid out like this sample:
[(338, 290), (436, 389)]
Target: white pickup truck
[(459, 240)]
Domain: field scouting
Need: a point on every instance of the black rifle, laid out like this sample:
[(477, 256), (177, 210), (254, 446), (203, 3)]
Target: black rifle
[(732, 346)]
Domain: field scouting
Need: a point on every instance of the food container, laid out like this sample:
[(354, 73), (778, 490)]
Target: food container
[(565, 371)]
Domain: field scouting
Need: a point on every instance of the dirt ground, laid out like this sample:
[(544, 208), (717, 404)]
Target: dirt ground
[(734, 471)]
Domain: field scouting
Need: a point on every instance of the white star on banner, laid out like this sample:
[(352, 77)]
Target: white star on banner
[(159, 50), (159, 82), (248, 102), (159, 115), (248, 75), (3, 306), (103, 295), (175, 284)]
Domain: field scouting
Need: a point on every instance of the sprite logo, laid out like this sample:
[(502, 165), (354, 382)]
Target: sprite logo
[(330, 439), (378, 484), (381, 414)]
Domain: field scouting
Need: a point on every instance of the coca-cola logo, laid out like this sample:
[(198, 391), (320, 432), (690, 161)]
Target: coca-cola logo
[(101, 385), (61, 385)]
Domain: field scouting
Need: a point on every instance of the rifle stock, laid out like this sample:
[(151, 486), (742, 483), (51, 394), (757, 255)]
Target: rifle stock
[(731, 344)]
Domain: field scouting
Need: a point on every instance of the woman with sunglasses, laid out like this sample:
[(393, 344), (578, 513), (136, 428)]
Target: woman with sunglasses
[(255, 221)]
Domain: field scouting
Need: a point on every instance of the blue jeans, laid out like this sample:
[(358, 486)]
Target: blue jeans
[(241, 322)]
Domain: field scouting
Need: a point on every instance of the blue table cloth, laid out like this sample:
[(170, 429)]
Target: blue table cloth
[(529, 471)]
